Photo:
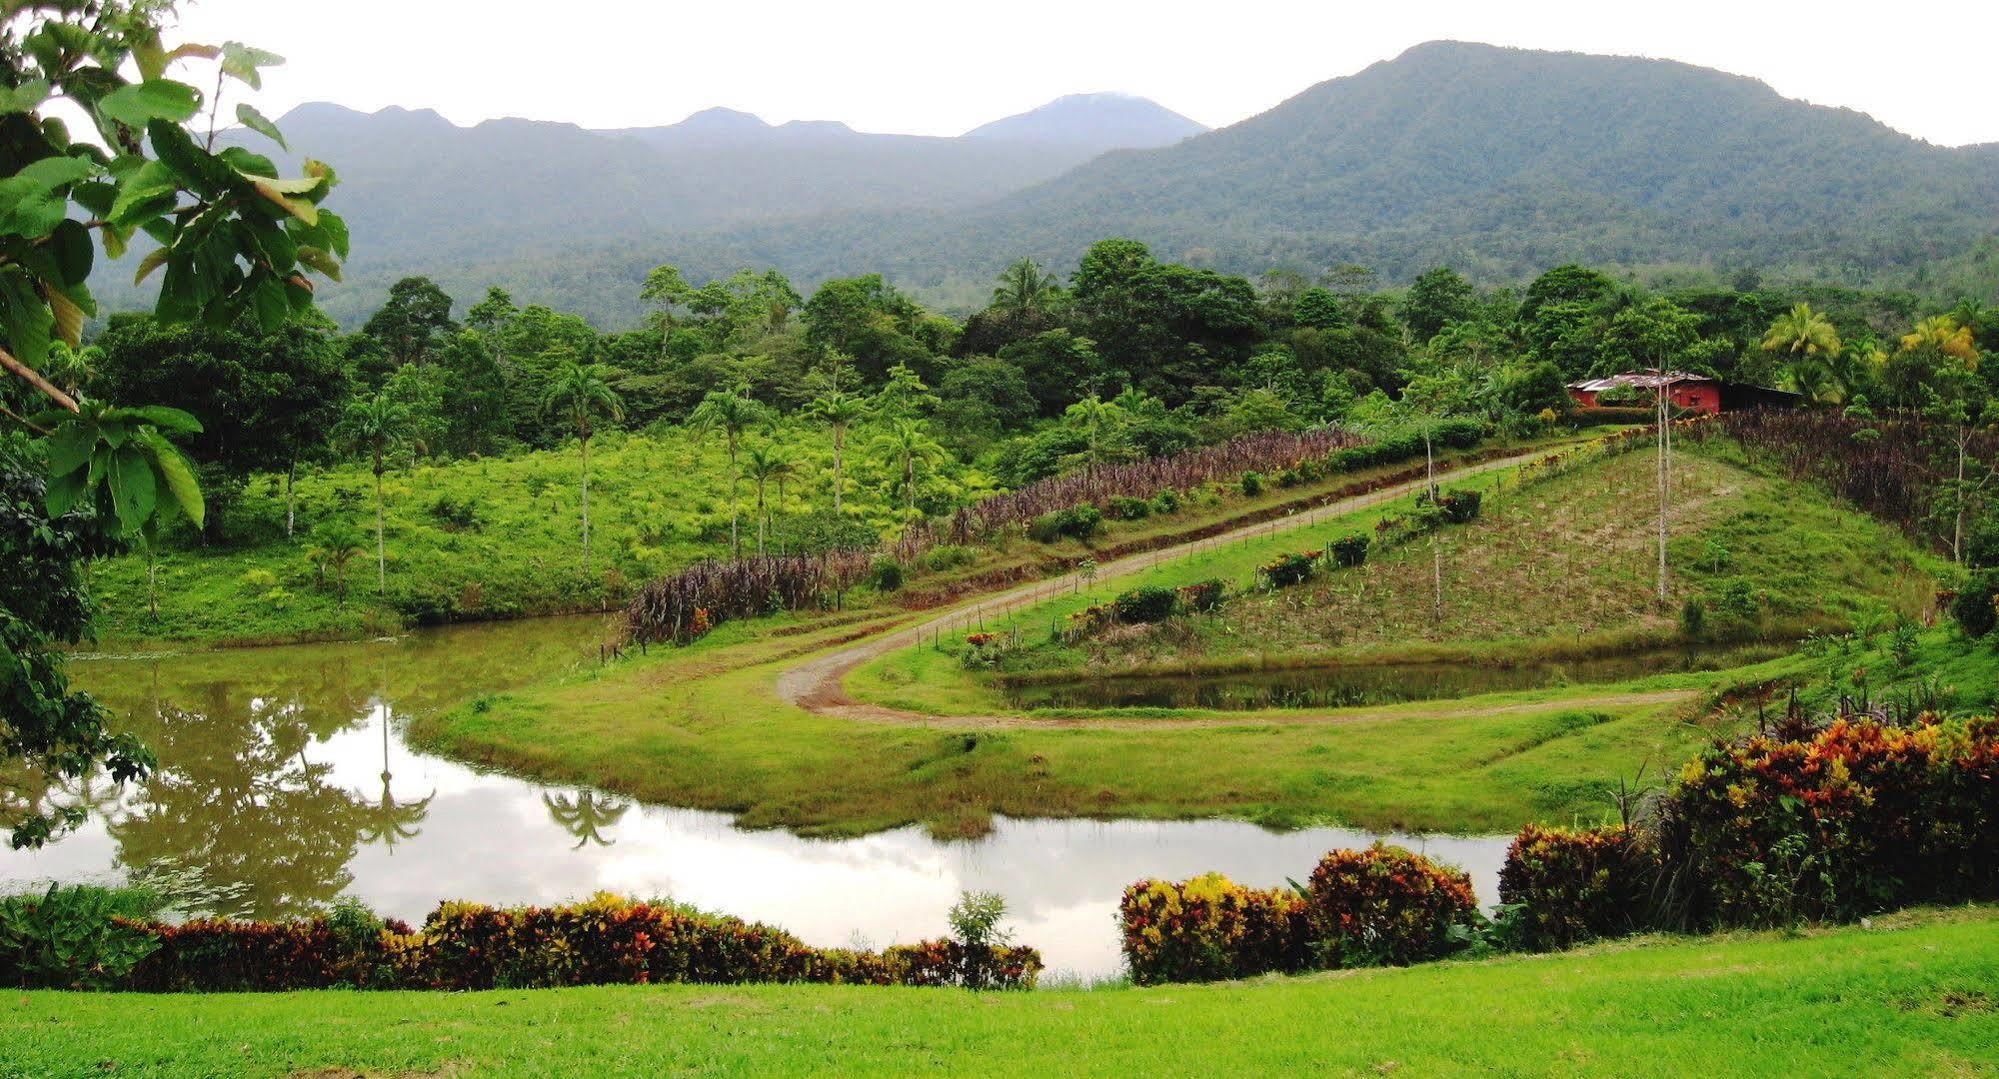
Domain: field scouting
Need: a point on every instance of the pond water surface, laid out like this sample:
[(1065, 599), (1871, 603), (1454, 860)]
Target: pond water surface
[(1366, 684), (284, 783)]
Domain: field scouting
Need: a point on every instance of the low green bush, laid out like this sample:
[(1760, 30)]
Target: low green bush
[(1126, 508), (1973, 608), (949, 556), (1289, 569), (1252, 484), (69, 937), (885, 574), (1151, 603), (1203, 597), (1208, 929), (1076, 522), (1349, 551), (1165, 502)]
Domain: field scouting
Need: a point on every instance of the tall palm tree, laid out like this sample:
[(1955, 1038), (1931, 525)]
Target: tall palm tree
[(1809, 344), (838, 410), (767, 463), (1025, 287), (580, 391), (379, 426), (1099, 421), (733, 414), (908, 446)]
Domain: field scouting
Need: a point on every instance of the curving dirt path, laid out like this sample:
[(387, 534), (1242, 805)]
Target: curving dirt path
[(818, 684)]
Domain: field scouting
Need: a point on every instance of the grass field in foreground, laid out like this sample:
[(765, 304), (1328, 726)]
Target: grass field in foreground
[(1916, 994)]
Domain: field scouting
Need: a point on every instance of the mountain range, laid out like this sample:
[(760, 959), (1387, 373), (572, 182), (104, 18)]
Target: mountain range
[(1499, 161)]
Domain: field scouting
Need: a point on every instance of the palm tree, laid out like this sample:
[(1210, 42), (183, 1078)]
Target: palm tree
[(380, 425), (335, 544), (1100, 422), (731, 413), (580, 391), (766, 463), (1025, 287), (1810, 344), (838, 410), (908, 446)]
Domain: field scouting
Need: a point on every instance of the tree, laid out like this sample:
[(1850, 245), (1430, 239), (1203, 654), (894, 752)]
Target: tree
[(415, 319), (377, 425), (732, 414), (907, 445), (579, 391), (1809, 345), (266, 400), (1436, 297), (1025, 289), (1658, 335), (665, 290), (335, 544), (838, 411), (1101, 423), (767, 463), (231, 235)]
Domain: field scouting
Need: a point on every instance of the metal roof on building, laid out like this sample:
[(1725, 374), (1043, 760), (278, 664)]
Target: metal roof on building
[(1644, 380)]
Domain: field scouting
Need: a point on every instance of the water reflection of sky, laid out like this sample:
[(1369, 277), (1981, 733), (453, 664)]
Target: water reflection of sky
[(498, 839)]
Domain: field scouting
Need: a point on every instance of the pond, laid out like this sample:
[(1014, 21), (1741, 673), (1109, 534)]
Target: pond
[(1367, 684), (284, 783)]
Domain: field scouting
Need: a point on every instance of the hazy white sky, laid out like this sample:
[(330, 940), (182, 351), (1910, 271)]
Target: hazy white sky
[(940, 67)]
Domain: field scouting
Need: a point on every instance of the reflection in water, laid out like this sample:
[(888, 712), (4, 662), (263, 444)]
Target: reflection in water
[(284, 783), (585, 815)]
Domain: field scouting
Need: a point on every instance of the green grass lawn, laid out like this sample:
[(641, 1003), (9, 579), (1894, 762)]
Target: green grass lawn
[(1914, 994)]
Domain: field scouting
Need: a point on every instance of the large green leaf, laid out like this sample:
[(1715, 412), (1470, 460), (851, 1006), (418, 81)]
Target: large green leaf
[(240, 61), (165, 418), (256, 121), (134, 489), (137, 104), (57, 171), (25, 97), (70, 244), (64, 491), (178, 476), (69, 446)]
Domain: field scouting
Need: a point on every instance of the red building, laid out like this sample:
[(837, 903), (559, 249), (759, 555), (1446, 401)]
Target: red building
[(1688, 392)]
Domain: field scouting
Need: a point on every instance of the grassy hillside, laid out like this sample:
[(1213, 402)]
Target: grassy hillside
[(1914, 994), (1572, 558), (475, 539)]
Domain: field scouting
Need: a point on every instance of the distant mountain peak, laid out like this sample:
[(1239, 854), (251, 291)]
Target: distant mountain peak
[(722, 121), (1111, 120)]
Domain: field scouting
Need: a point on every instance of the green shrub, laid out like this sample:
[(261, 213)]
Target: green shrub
[(1288, 569), (1973, 607), (1165, 502), (886, 574), (1561, 887), (1387, 906), (1453, 507), (1252, 484), (1693, 618), (1349, 551), (949, 556), (1126, 508), (1076, 522), (1203, 597), (72, 937), (1150, 603)]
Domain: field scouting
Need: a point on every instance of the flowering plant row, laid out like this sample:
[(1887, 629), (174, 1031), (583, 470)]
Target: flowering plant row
[(1382, 905), (604, 940)]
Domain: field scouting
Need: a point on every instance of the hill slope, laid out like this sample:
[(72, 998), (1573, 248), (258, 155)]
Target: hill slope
[(1501, 161), (1105, 121)]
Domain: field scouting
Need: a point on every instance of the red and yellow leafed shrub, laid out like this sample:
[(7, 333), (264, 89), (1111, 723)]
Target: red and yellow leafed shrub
[(1560, 887), (1386, 905), (1209, 928), (603, 940), (1858, 817)]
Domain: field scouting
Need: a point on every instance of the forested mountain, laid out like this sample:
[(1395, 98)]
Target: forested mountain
[(1498, 161), (1105, 121), (1495, 160)]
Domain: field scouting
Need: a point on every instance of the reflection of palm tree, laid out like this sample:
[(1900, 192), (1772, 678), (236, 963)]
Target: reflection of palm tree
[(387, 821), (585, 816)]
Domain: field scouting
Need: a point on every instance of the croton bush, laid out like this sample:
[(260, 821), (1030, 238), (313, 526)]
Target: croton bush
[(1387, 905), (604, 940), (1382, 905), (1562, 886), (1853, 818), (1289, 568)]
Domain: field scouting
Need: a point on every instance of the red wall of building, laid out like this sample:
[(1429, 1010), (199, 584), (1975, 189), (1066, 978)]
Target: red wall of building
[(1695, 396)]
